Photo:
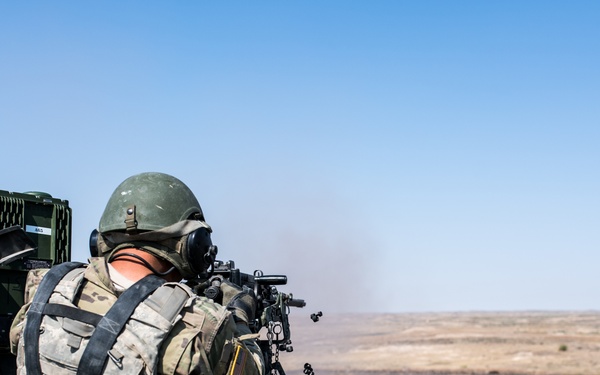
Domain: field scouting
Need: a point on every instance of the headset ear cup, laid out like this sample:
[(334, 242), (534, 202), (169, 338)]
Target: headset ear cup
[(94, 243), (198, 251)]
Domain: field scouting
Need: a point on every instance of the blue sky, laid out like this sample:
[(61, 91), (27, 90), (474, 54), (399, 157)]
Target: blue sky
[(388, 156)]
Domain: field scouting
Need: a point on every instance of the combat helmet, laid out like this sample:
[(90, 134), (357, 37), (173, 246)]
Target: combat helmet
[(159, 214)]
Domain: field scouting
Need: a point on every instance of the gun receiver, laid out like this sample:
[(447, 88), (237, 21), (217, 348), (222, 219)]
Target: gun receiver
[(272, 306)]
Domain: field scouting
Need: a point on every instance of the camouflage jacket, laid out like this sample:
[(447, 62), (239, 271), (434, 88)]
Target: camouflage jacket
[(201, 340)]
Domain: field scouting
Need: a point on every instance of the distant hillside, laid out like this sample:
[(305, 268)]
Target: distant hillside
[(505, 343)]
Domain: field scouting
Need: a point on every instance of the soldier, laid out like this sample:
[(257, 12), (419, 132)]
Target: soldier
[(126, 312)]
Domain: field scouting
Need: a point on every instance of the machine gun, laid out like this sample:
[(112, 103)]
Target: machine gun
[(271, 312)]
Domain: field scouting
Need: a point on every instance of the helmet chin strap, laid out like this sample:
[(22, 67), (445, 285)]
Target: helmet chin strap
[(144, 261)]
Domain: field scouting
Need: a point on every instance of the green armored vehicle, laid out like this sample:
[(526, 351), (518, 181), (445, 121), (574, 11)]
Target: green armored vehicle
[(35, 232)]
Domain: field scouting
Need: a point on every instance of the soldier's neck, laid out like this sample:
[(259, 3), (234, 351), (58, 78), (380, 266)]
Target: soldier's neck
[(133, 268)]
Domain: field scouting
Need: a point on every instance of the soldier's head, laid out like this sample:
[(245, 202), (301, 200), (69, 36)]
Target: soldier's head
[(159, 214)]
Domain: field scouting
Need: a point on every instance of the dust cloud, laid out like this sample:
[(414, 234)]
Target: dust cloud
[(319, 242)]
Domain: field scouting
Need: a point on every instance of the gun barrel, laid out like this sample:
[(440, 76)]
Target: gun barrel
[(295, 302), (271, 280)]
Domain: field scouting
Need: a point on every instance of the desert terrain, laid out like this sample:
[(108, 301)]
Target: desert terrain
[(505, 343)]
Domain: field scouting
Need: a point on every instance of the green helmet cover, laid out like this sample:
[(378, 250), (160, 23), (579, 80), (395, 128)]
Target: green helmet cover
[(160, 200), (151, 211)]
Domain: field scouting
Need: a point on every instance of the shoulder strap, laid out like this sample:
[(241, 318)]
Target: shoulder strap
[(169, 299), (36, 312), (110, 326)]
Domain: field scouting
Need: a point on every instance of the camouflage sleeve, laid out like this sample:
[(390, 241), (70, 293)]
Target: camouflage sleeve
[(237, 351), (255, 363), (33, 280), (207, 341)]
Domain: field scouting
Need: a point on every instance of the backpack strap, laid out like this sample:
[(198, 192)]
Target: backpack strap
[(110, 326), (36, 313)]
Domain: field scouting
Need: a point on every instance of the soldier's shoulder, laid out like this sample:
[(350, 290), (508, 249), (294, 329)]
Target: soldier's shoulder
[(201, 323), (203, 312), (34, 277), (208, 306)]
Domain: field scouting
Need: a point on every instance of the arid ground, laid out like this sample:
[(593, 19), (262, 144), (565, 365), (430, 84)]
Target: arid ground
[(506, 343)]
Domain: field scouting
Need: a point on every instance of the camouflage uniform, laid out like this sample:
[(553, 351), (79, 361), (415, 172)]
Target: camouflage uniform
[(200, 342)]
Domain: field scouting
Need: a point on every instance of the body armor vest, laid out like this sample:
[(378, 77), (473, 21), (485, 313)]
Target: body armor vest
[(62, 339)]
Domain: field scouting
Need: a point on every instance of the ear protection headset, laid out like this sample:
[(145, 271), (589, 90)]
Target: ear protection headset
[(197, 250)]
